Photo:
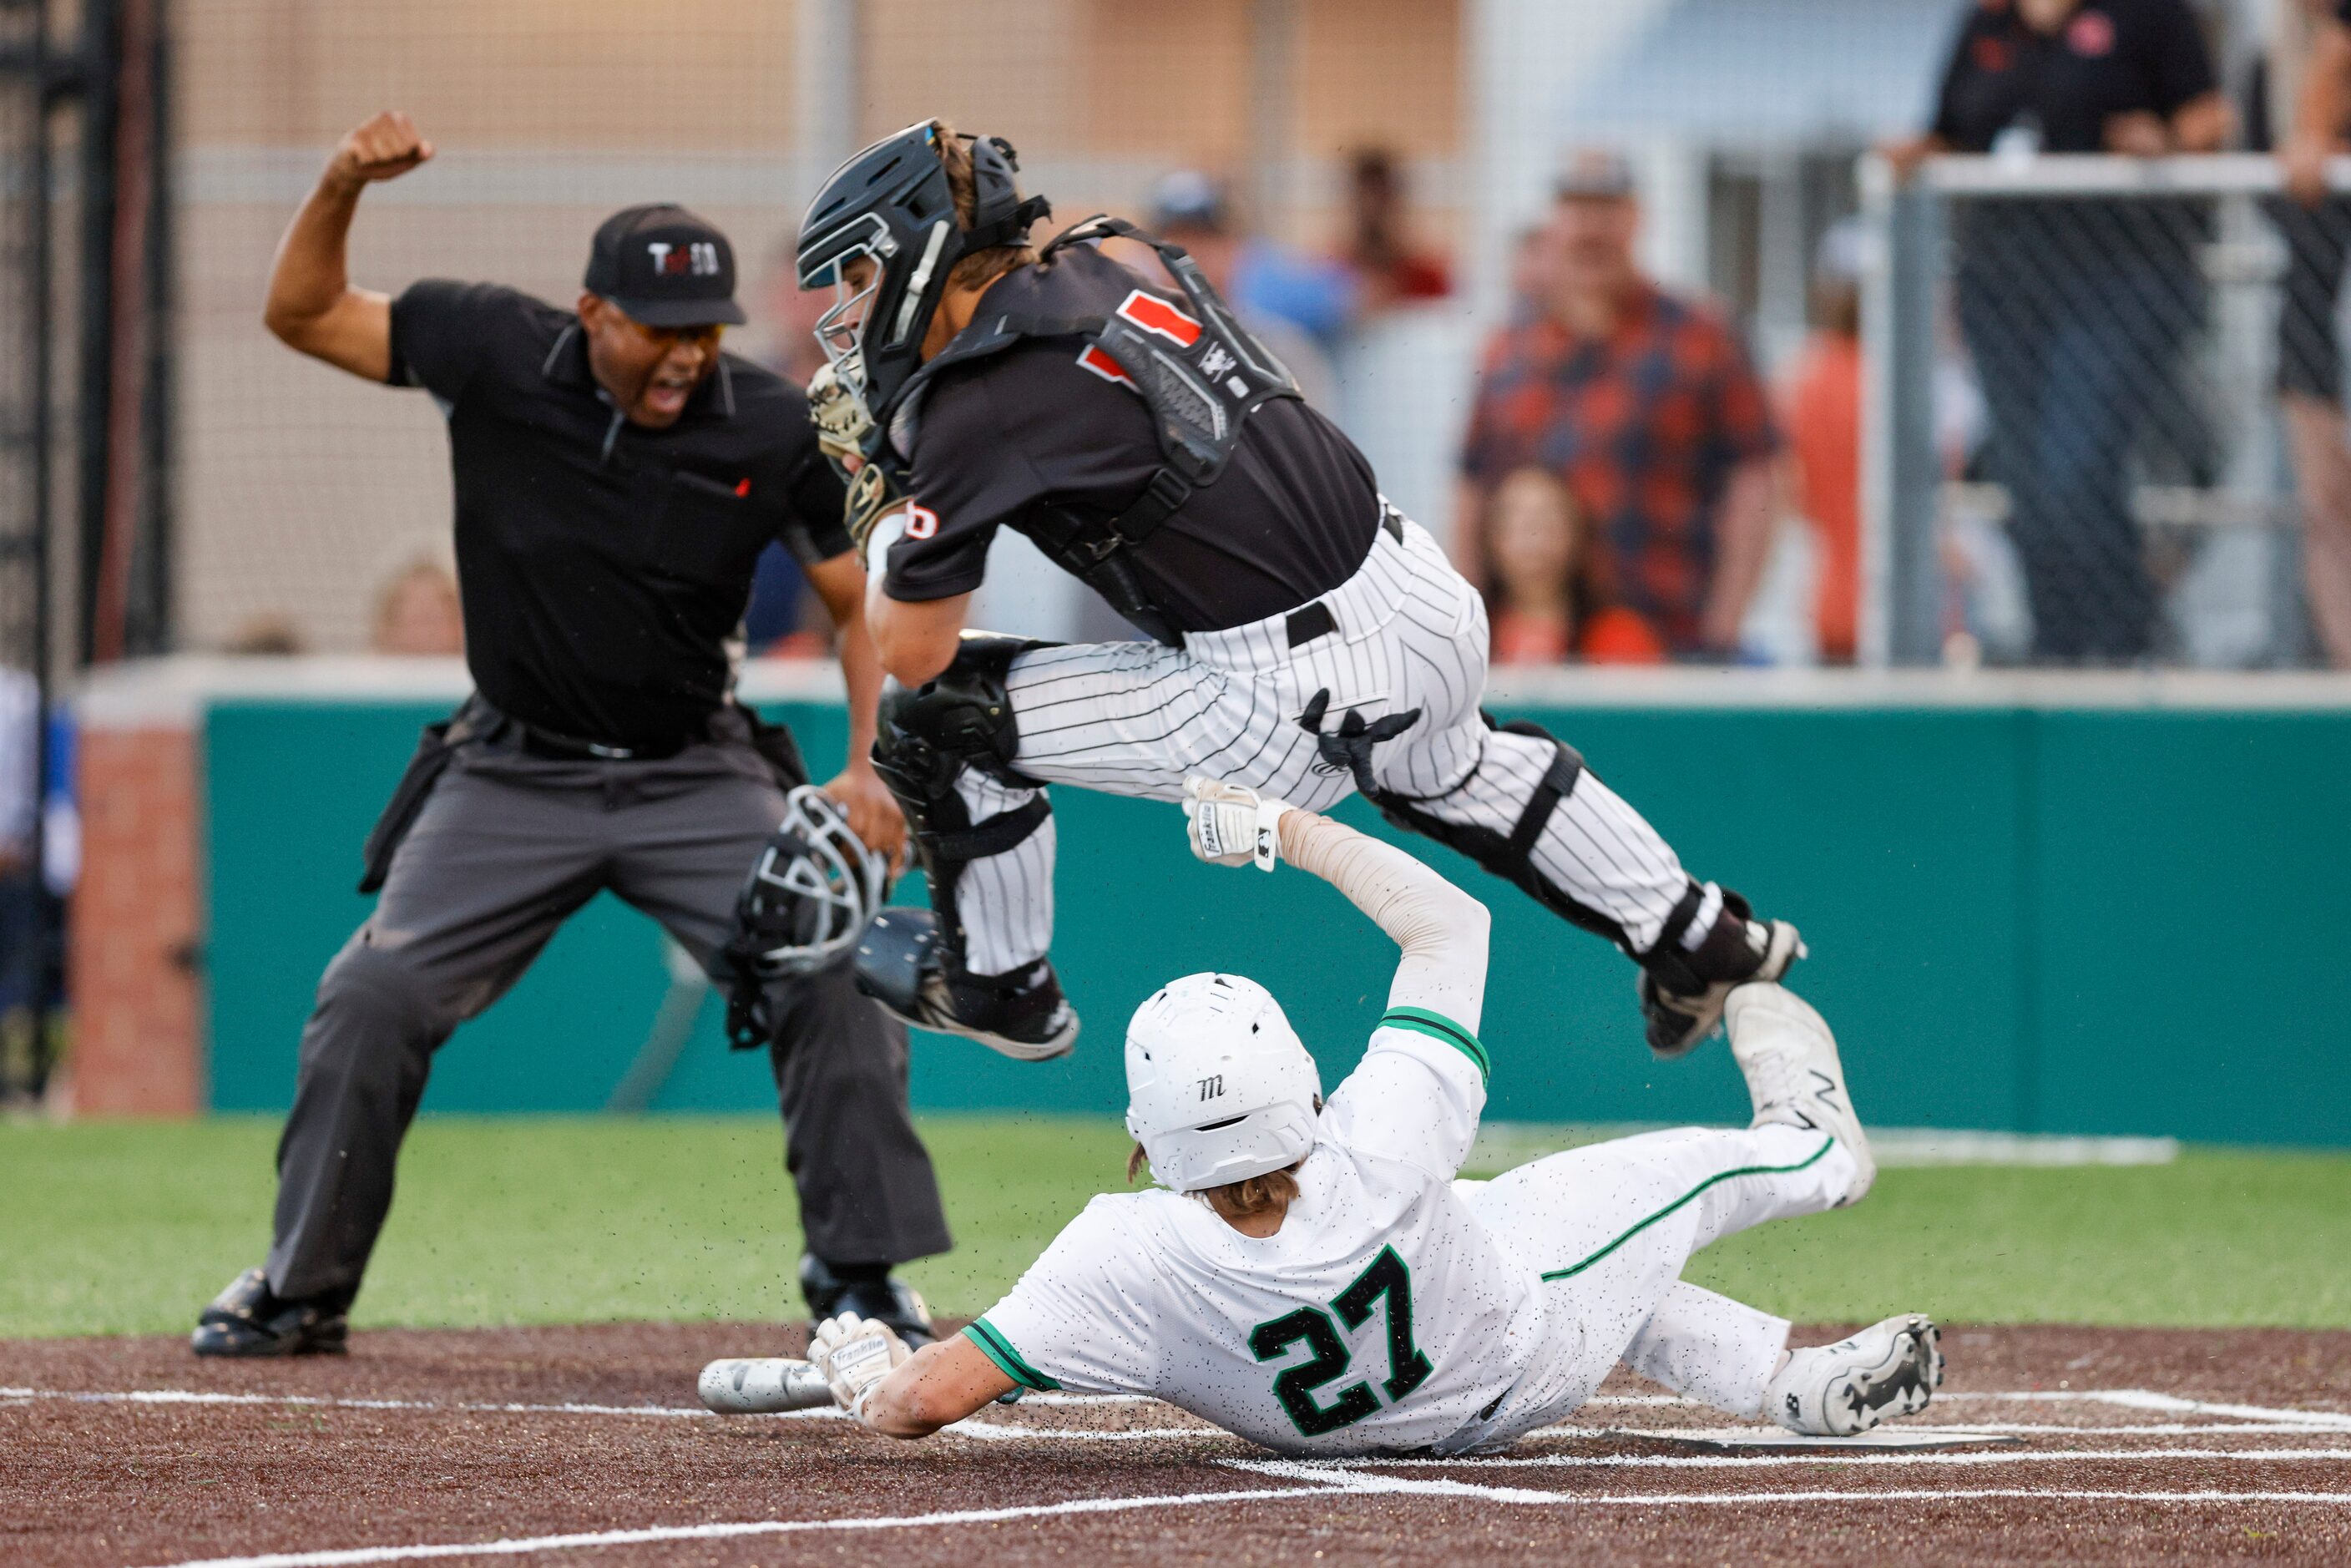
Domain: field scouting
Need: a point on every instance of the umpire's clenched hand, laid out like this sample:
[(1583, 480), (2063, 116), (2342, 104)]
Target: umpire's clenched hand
[(873, 810), (385, 148)]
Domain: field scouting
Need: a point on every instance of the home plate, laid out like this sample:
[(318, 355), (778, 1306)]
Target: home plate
[(1773, 1439)]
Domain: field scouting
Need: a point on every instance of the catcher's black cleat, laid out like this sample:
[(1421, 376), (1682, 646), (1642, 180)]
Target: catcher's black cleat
[(902, 963), (249, 1320), (1682, 990), (869, 1292)]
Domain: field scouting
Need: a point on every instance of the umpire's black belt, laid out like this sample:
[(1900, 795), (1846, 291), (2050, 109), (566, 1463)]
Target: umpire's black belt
[(1315, 620), (554, 746)]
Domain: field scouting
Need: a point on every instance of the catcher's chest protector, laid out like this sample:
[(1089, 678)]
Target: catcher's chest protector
[(1197, 370)]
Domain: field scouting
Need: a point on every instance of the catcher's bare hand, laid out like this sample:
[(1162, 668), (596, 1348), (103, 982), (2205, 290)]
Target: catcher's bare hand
[(385, 148), (855, 1354), (1229, 825), (873, 813)]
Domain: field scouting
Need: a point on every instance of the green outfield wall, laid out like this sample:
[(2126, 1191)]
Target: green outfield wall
[(2097, 920)]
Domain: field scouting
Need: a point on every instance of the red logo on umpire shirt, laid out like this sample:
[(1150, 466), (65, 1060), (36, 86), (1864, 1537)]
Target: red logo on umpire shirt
[(2090, 35)]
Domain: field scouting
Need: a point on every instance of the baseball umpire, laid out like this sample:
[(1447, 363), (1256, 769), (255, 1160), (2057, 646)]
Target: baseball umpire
[(617, 476), (1308, 637)]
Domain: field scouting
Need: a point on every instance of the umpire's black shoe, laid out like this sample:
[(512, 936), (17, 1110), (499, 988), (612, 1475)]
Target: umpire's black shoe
[(249, 1320), (869, 1292), (902, 965), (1683, 990)]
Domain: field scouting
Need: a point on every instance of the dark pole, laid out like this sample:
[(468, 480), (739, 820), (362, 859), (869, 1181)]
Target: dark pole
[(151, 609), (48, 939), (101, 92)]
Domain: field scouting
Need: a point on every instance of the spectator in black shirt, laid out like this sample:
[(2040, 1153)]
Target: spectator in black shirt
[(2077, 309), (616, 476)]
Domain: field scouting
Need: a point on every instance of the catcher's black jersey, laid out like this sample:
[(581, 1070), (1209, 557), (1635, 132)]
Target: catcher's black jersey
[(1048, 432), (604, 565)]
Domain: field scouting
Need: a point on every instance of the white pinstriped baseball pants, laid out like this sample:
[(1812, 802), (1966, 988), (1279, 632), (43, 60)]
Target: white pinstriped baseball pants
[(1138, 718)]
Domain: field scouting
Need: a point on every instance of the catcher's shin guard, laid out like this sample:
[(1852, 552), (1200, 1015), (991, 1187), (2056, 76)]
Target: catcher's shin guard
[(912, 963), (1690, 973), (1510, 855)]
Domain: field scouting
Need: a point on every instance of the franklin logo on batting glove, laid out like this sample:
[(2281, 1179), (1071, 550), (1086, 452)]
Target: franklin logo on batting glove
[(855, 1354), (1232, 826)]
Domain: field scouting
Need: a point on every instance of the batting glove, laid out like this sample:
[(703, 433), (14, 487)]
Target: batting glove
[(855, 1354), (1229, 825)]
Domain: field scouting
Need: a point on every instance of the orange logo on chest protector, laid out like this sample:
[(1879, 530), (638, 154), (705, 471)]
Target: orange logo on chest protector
[(1151, 314)]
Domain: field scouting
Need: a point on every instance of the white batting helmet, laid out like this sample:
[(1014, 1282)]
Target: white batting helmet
[(1218, 1086)]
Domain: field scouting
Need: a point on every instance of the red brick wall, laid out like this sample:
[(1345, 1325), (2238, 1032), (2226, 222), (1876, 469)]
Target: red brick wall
[(137, 1048)]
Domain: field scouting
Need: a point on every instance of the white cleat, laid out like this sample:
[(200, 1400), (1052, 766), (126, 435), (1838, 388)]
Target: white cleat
[(1886, 1371), (1789, 1061)]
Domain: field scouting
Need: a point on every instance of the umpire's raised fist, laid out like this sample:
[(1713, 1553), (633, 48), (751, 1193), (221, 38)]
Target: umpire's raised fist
[(385, 148)]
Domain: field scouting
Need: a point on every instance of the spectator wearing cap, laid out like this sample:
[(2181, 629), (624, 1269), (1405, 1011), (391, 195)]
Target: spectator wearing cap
[(1319, 296), (1190, 209), (1821, 406), (2076, 310), (1380, 245), (1646, 406)]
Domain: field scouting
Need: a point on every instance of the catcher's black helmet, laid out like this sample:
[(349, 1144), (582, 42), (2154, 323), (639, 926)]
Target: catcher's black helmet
[(806, 902), (890, 202)]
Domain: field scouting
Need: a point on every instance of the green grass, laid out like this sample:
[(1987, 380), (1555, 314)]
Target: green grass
[(127, 1229)]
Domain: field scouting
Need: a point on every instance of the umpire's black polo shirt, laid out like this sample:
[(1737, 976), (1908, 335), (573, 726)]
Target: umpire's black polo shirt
[(2111, 58), (604, 566)]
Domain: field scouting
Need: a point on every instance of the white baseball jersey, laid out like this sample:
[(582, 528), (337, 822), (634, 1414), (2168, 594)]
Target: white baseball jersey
[(1382, 1315)]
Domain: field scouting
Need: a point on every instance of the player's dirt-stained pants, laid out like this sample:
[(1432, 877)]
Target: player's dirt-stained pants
[(508, 847), (1608, 1228), (1405, 631)]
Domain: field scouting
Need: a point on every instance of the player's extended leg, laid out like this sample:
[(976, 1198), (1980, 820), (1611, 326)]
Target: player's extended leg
[(1524, 806), (968, 753), (491, 868), (1611, 1227), (869, 1197)]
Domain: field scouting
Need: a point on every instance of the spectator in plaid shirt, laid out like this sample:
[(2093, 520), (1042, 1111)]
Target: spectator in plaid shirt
[(1645, 405)]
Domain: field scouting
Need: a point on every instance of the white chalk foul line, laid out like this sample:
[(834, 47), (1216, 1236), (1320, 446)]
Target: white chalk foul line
[(1329, 1481), (1874, 1459), (524, 1546)]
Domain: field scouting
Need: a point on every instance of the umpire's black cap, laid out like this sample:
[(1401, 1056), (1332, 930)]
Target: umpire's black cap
[(666, 268)]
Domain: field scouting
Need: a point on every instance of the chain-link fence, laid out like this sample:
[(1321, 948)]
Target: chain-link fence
[(2109, 410)]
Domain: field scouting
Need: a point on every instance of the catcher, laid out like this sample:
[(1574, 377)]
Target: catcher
[(1312, 1277), (1308, 639)]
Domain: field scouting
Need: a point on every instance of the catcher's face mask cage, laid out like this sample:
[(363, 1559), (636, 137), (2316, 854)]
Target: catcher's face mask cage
[(812, 890), (882, 235)]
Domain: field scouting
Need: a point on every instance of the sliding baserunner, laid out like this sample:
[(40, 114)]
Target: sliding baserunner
[(1313, 1278)]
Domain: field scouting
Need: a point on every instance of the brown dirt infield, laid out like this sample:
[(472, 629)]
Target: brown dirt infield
[(407, 1443)]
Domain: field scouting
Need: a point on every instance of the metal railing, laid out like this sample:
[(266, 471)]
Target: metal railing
[(2104, 414)]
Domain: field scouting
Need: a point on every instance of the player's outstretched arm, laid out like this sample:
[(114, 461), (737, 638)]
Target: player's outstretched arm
[(873, 811), (312, 305), (1442, 930), (903, 1394)]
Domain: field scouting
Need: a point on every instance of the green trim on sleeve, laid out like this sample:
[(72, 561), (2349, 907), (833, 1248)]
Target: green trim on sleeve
[(1436, 1026), (998, 1349)]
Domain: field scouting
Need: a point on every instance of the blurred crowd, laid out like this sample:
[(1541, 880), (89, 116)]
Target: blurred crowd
[(1630, 477)]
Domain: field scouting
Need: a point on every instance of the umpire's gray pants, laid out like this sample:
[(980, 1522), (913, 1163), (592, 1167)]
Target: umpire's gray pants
[(506, 847)]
